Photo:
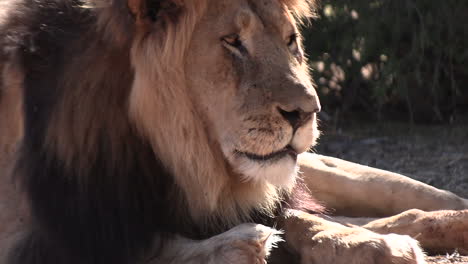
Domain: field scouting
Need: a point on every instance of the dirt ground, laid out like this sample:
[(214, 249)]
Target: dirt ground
[(453, 258), (436, 154)]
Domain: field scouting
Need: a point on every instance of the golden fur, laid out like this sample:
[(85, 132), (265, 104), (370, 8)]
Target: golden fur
[(171, 46)]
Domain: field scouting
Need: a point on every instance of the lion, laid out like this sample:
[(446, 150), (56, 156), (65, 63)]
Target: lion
[(175, 131)]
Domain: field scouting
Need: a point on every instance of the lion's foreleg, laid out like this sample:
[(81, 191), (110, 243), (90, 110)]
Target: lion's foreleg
[(243, 244), (318, 240), (437, 232), (356, 190)]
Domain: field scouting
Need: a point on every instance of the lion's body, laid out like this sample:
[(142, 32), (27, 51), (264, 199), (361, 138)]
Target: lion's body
[(130, 143)]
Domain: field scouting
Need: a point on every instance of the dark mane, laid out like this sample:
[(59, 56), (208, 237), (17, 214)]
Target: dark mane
[(105, 207)]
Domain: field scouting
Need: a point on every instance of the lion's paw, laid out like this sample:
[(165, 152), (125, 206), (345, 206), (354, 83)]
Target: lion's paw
[(246, 244), (361, 246)]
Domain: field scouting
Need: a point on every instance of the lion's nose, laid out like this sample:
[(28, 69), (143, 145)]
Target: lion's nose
[(296, 101), (297, 117)]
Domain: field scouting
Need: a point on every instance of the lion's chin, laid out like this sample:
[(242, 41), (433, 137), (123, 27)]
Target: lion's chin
[(281, 172)]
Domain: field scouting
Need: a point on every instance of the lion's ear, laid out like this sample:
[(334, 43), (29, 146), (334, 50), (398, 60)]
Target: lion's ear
[(148, 11)]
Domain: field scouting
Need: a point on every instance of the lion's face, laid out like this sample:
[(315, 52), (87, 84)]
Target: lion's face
[(246, 72)]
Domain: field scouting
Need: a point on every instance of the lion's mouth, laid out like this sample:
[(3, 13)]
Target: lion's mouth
[(288, 150)]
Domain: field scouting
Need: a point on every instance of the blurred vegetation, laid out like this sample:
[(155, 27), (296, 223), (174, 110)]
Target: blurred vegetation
[(392, 59)]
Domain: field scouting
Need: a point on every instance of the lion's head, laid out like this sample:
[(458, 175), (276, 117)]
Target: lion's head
[(256, 92), (239, 103)]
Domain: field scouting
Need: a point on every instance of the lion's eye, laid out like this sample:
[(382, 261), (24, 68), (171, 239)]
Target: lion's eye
[(292, 40), (234, 44), (293, 46), (233, 41)]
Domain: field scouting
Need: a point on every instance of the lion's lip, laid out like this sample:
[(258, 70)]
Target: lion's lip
[(288, 150)]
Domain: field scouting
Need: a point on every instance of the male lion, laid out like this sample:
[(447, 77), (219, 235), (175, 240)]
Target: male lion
[(160, 131)]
